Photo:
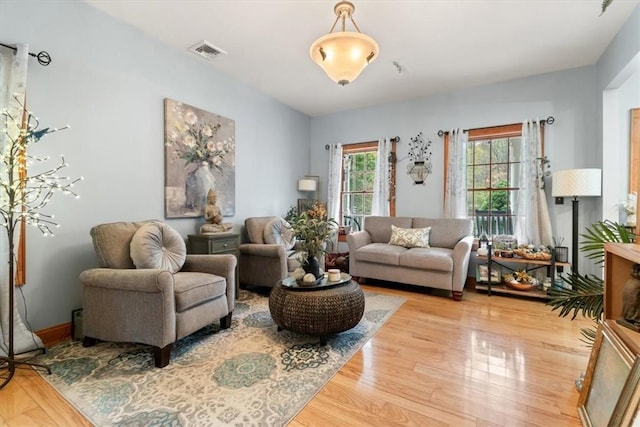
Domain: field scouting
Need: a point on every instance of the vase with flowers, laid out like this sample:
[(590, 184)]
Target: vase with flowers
[(315, 232)]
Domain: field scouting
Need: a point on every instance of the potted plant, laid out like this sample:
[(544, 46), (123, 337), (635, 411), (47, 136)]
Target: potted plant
[(314, 231), (561, 252), (586, 293)]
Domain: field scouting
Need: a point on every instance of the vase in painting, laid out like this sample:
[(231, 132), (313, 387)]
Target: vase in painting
[(199, 182)]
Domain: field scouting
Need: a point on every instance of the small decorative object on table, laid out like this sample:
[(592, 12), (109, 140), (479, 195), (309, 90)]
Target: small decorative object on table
[(520, 280), (540, 253), (631, 301)]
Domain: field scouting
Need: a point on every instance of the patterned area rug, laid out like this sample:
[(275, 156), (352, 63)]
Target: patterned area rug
[(249, 374)]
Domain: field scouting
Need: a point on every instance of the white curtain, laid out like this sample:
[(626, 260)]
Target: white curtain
[(13, 83), (455, 197), (533, 224), (334, 181), (381, 194)]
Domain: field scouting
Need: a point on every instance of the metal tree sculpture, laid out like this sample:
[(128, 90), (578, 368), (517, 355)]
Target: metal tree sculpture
[(22, 197)]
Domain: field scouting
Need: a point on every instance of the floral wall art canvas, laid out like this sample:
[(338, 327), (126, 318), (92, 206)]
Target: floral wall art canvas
[(199, 156)]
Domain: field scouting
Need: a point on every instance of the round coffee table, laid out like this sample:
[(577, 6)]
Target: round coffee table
[(321, 311)]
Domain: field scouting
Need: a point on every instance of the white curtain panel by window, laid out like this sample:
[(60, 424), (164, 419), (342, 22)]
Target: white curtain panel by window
[(334, 181), (533, 225), (380, 204), (13, 82), (455, 197)]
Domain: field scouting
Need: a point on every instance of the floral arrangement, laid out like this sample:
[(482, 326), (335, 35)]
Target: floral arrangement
[(629, 206), (194, 139), (313, 232)]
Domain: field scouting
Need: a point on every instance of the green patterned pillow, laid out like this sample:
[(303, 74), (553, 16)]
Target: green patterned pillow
[(410, 237)]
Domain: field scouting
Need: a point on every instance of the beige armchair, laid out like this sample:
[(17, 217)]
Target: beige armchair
[(269, 253), (148, 290)]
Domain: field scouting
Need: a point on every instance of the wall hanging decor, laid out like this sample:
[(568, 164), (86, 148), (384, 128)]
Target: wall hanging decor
[(199, 156), (419, 167)]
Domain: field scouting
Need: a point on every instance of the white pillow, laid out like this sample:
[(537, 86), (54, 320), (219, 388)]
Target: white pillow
[(279, 232), (410, 237), (156, 245)]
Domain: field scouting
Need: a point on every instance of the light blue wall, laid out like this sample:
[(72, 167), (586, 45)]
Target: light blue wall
[(568, 96), (108, 81)]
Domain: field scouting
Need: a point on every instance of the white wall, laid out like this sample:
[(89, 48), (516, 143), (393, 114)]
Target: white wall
[(618, 90), (570, 142), (108, 81)]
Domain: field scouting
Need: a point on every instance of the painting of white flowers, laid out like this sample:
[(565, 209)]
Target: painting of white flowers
[(199, 156)]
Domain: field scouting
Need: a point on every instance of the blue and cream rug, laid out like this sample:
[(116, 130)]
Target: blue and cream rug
[(247, 375)]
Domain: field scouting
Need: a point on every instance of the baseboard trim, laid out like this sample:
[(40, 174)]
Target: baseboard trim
[(55, 334)]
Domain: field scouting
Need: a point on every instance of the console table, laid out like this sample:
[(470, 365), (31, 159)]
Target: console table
[(528, 265), (218, 244)]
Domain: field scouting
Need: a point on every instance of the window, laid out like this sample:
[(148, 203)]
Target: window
[(493, 173), (358, 176)]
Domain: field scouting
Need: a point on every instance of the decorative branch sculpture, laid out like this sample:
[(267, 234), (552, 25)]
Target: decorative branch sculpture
[(22, 197)]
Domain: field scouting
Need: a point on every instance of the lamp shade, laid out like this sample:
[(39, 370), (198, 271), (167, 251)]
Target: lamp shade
[(577, 182), (307, 184), (343, 55)]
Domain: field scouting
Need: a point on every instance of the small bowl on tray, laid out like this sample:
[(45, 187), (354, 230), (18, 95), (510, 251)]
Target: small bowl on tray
[(520, 286)]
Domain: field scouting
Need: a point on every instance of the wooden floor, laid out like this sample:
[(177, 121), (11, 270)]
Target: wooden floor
[(486, 361)]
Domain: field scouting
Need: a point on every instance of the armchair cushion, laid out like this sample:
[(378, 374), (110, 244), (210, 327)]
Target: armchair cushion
[(192, 289), (279, 232), (156, 245)]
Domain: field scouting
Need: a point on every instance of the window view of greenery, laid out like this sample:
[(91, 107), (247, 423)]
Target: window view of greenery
[(357, 185), (493, 169)]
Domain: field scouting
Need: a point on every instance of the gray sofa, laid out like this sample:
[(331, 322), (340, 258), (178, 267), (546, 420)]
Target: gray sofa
[(443, 265)]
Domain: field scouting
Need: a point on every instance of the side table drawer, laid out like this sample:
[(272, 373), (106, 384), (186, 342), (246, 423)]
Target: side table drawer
[(226, 245)]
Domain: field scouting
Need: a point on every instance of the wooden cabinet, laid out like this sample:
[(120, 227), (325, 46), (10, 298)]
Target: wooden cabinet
[(218, 243), (618, 262)]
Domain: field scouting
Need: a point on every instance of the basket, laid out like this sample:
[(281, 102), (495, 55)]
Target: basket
[(520, 286)]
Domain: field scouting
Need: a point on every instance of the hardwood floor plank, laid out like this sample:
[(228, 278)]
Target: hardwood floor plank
[(483, 362)]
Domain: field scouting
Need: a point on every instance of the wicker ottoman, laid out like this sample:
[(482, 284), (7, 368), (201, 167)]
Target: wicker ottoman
[(317, 311)]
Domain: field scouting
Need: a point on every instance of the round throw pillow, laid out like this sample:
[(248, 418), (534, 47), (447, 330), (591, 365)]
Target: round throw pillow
[(279, 232), (156, 245)]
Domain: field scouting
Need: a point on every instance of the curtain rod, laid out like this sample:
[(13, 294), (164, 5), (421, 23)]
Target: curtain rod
[(43, 57), (548, 121), (393, 139)]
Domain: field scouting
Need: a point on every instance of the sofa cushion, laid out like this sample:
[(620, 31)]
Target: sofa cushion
[(254, 227), (156, 245), (112, 243), (445, 232), (192, 289), (380, 253), (379, 227), (428, 259), (410, 237), (279, 232)]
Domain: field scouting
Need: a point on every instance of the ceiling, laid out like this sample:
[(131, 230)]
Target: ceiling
[(440, 45)]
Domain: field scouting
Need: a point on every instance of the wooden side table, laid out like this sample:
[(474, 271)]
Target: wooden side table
[(217, 243)]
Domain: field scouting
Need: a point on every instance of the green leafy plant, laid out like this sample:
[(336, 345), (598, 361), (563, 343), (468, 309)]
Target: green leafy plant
[(585, 295), (315, 233)]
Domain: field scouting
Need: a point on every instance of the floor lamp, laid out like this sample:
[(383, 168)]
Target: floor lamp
[(576, 183)]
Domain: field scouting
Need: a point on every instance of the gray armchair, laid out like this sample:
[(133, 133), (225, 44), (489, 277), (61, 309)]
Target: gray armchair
[(148, 290), (268, 255)]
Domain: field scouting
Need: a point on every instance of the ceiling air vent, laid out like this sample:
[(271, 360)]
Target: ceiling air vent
[(206, 50)]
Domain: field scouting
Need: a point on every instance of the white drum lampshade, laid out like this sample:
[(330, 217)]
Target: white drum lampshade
[(577, 183), (306, 184)]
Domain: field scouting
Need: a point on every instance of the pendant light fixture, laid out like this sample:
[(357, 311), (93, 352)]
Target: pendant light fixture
[(344, 54)]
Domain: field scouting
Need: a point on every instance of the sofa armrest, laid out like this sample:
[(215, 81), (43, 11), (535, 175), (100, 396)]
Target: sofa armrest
[(129, 305), (132, 280), (461, 254), (358, 239), (263, 249)]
